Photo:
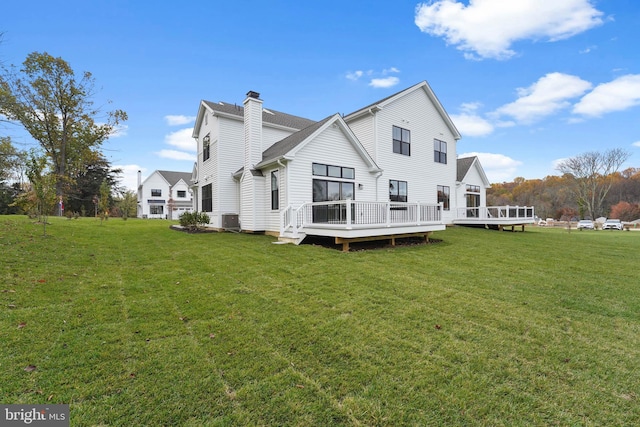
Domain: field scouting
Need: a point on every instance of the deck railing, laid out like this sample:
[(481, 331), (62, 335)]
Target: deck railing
[(497, 212), (349, 214)]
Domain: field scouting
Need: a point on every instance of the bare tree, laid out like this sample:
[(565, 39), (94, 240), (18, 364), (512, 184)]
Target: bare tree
[(592, 175)]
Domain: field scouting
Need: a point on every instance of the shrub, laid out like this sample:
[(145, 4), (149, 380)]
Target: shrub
[(194, 220)]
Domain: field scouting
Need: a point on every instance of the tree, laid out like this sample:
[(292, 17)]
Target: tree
[(55, 106), (43, 186), (86, 183), (592, 176), (625, 211), (128, 204), (104, 203)]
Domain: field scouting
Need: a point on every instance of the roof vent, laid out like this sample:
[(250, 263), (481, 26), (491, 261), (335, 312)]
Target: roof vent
[(252, 94)]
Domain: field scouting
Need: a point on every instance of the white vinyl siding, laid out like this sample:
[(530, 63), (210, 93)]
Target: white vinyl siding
[(416, 113), (342, 153)]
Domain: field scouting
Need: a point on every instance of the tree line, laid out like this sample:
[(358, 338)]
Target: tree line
[(576, 194)]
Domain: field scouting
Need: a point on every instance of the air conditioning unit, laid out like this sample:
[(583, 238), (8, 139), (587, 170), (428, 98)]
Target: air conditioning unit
[(230, 222)]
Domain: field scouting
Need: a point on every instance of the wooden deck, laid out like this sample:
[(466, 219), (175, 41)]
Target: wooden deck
[(496, 217)]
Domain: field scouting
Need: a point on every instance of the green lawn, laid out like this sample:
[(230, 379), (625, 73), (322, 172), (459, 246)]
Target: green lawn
[(132, 323)]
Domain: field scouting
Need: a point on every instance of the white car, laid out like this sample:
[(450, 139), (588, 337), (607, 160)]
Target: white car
[(612, 224), (586, 224)]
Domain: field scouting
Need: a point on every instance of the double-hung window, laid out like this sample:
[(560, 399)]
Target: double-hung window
[(156, 192), (206, 147), (207, 198), (439, 151), (401, 141)]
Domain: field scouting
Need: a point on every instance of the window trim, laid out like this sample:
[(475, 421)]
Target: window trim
[(403, 146)]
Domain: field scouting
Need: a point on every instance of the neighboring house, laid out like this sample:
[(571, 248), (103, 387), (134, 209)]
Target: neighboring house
[(164, 194), (388, 169)]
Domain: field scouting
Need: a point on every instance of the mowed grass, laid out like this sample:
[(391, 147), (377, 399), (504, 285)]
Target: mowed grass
[(132, 323)]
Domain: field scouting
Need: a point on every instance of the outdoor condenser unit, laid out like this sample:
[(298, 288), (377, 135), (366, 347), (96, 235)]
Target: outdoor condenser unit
[(230, 222)]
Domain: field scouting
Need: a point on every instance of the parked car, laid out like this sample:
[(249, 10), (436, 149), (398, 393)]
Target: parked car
[(585, 224), (612, 224)]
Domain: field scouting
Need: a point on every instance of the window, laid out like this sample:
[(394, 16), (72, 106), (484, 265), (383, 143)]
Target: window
[(156, 193), (156, 209), (401, 141), (206, 147), (397, 191), (182, 194), (439, 151), (275, 192), (473, 188), (207, 198), (333, 171), (326, 191), (443, 196)]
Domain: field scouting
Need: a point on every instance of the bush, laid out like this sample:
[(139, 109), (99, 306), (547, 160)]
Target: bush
[(194, 220)]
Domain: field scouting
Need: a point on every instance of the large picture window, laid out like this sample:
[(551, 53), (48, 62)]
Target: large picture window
[(207, 198), (401, 141), (275, 191), (398, 191), (156, 210), (443, 196), (439, 151), (327, 191)]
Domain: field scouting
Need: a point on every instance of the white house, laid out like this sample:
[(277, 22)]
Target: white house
[(388, 169), (164, 194)]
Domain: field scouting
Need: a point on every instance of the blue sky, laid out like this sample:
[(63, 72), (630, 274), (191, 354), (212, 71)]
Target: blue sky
[(527, 82)]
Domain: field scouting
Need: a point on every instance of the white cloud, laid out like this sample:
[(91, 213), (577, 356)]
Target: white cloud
[(176, 155), (488, 28), (182, 139), (636, 144), (129, 177), (472, 124), (617, 95), (178, 120), (548, 95), (497, 167), (390, 70), (384, 83), (354, 75)]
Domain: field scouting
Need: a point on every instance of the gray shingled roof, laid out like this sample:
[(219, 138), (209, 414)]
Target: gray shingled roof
[(277, 118), (287, 144), (173, 177), (463, 167)]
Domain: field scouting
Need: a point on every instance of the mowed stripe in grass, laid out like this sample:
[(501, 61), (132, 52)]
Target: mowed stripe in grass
[(133, 323)]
